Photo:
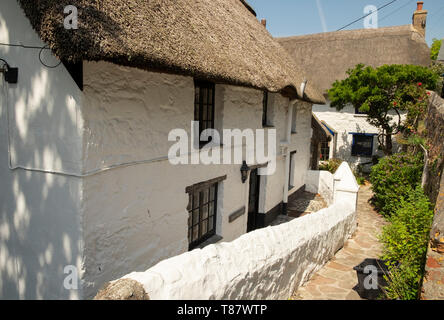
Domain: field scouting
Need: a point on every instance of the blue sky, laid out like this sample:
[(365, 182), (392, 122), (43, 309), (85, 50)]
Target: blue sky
[(298, 17)]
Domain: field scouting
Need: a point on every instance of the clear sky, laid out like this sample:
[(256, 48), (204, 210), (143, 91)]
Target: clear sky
[(298, 17)]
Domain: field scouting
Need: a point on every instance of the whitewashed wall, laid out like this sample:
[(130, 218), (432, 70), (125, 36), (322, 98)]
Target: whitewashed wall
[(268, 263), (134, 215), (40, 229), (321, 182)]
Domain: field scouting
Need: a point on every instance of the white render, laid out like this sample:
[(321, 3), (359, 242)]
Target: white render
[(268, 263), (40, 221), (322, 182), (139, 225), (89, 184)]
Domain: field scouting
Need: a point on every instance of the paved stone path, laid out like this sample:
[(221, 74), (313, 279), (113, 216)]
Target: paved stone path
[(305, 203), (336, 280)]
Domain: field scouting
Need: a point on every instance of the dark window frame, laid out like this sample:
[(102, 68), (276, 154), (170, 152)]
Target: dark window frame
[(356, 150), (292, 154), (198, 203), (265, 109), (325, 146), (204, 105)]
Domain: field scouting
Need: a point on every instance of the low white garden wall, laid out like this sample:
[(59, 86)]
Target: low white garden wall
[(320, 182), (268, 263)]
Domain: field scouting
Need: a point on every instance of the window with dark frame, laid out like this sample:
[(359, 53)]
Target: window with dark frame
[(325, 151), (204, 106), (265, 109), (202, 209), (362, 145)]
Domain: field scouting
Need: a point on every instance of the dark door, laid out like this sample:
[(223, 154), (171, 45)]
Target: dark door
[(253, 201)]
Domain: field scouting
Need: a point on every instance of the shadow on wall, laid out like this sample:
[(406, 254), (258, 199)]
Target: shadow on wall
[(39, 226), (39, 212)]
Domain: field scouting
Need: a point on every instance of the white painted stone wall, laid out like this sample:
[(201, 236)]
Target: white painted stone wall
[(41, 125), (134, 215), (268, 263), (322, 182)]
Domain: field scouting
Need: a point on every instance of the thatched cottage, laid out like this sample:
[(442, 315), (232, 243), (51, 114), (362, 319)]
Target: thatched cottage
[(327, 57), (88, 190)]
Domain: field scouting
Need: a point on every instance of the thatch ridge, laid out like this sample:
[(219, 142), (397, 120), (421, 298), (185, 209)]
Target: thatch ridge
[(327, 56), (219, 40)]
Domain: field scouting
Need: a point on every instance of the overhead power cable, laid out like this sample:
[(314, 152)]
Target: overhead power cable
[(396, 10), (353, 22)]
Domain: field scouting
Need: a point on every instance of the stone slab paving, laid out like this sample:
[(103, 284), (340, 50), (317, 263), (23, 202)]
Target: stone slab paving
[(336, 280), (306, 203)]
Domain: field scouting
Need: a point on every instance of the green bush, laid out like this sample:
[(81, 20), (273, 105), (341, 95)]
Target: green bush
[(331, 165), (405, 241), (393, 178)]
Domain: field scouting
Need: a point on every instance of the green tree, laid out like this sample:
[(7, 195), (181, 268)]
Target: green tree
[(434, 50), (383, 93)]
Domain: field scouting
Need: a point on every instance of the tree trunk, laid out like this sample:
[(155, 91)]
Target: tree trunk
[(388, 147)]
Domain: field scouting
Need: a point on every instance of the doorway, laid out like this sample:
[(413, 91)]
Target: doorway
[(253, 200)]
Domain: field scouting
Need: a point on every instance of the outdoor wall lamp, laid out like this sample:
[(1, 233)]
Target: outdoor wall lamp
[(244, 171), (11, 74)]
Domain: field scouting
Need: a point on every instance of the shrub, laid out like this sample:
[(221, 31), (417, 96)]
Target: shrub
[(394, 177), (331, 165), (405, 241)]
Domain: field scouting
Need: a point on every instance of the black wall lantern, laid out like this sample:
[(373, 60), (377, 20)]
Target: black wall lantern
[(244, 171), (11, 74)]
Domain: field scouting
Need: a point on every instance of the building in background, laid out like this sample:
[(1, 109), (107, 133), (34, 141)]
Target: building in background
[(327, 56)]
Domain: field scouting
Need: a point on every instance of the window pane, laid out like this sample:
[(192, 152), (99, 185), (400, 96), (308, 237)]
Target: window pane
[(195, 233), (204, 212), (204, 95), (204, 112), (204, 227), (211, 208), (212, 192), (210, 224), (189, 235), (196, 200), (196, 216), (196, 112), (205, 195), (196, 94)]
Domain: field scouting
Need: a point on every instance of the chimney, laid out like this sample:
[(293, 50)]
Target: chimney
[(264, 23), (419, 18)]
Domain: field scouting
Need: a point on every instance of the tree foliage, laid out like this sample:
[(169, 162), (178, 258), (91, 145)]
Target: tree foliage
[(434, 50), (383, 93)]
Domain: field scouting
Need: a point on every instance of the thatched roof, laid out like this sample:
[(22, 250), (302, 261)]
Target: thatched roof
[(327, 56), (441, 52), (219, 40)]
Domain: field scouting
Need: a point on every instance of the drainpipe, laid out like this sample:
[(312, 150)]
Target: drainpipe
[(287, 152)]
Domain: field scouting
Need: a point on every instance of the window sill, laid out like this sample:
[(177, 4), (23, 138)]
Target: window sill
[(212, 240), (357, 115), (268, 126), (294, 132)]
